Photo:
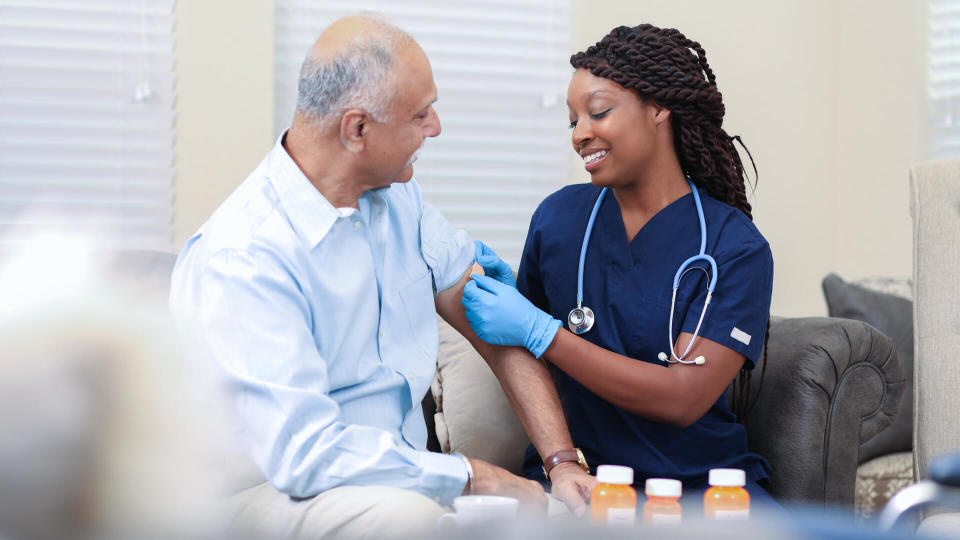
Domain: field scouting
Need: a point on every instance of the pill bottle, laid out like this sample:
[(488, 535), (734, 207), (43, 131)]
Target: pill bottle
[(726, 498), (663, 501), (613, 501)]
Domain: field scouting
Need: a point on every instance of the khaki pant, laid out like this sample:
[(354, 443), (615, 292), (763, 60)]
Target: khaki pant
[(344, 512)]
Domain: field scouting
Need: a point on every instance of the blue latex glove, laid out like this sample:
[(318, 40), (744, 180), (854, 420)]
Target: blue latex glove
[(493, 265), (500, 315)]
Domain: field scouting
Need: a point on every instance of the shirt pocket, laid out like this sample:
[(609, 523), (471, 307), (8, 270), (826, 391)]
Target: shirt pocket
[(421, 313)]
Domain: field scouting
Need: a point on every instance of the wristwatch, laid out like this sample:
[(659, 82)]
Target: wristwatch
[(562, 456)]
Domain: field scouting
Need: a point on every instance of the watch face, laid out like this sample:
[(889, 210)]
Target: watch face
[(582, 461)]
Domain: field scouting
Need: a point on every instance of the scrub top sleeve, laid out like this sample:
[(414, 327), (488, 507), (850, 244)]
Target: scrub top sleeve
[(740, 307), (528, 275)]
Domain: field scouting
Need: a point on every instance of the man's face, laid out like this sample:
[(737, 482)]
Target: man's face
[(393, 144)]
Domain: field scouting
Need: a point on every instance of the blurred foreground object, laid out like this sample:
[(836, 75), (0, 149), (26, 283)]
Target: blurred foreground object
[(96, 437), (943, 488)]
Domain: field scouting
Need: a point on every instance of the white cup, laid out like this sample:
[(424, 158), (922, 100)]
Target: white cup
[(471, 510)]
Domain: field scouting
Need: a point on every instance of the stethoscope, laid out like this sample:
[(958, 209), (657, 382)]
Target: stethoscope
[(581, 318)]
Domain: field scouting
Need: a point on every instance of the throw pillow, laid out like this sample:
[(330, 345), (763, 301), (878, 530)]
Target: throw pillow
[(891, 314), (880, 479)]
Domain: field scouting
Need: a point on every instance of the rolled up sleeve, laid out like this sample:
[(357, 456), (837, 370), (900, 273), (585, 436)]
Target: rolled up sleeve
[(447, 251)]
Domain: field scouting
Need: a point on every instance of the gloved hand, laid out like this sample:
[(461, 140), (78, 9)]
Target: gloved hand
[(493, 265), (500, 315)]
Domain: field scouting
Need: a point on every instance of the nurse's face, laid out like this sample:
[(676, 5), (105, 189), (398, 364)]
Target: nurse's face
[(613, 129)]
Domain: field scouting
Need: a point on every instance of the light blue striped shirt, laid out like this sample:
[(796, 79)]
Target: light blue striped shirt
[(323, 320)]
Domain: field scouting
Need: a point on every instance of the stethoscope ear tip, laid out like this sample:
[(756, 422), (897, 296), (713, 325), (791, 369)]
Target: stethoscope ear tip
[(700, 360)]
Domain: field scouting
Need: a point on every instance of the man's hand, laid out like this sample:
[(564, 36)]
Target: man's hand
[(492, 480), (572, 485), (493, 265)]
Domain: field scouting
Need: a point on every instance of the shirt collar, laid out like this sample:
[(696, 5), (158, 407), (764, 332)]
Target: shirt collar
[(310, 213)]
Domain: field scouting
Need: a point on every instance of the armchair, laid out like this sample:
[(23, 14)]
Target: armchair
[(935, 207)]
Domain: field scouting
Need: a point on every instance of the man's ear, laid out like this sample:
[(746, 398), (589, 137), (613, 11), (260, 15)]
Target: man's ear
[(353, 130)]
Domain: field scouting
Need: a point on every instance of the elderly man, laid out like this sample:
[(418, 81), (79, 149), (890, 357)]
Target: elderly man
[(315, 286)]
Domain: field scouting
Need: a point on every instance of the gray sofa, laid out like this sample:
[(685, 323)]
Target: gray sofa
[(886, 304), (830, 386)]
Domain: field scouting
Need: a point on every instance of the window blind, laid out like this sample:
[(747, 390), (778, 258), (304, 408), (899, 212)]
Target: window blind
[(944, 78), (87, 121), (501, 69)]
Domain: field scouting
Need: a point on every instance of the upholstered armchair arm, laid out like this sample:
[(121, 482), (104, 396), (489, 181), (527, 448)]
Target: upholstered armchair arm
[(830, 386)]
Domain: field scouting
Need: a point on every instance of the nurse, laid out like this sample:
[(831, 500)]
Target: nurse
[(646, 117)]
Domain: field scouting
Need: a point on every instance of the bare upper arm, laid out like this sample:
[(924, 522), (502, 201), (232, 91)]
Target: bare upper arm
[(449, 307), (705, 383)]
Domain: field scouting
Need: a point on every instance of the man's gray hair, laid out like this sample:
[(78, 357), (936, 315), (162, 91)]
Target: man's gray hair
[(352, 79)]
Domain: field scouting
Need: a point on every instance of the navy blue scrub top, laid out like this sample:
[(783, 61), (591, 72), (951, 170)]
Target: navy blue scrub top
[(628, 285)]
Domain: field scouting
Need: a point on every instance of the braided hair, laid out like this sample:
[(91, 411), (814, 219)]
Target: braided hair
[(664, 66)]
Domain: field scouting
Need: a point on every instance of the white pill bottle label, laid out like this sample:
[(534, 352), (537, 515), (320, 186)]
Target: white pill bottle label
[(732, 515), (621, 516), (665, 519)]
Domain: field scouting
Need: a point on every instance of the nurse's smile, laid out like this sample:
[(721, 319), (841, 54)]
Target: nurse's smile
[(593, 158)]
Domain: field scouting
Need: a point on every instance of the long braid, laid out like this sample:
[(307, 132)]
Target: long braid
[(664, 66)]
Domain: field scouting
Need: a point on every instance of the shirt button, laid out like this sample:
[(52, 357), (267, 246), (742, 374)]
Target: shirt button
[(381, 334), (356, 224)]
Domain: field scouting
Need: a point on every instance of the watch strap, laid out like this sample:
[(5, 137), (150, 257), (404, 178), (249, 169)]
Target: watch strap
[(563, 456)]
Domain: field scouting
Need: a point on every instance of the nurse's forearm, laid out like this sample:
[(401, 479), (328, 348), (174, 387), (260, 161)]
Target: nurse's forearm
[(677, 395)]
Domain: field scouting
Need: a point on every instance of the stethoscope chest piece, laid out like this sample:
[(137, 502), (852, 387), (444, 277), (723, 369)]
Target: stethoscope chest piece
[(580, 320)]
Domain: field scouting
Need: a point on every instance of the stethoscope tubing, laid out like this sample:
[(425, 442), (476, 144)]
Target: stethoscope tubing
[(585, 243)]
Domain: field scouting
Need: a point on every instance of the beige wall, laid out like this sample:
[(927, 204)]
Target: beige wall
[(224, 103), (827, 96)]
